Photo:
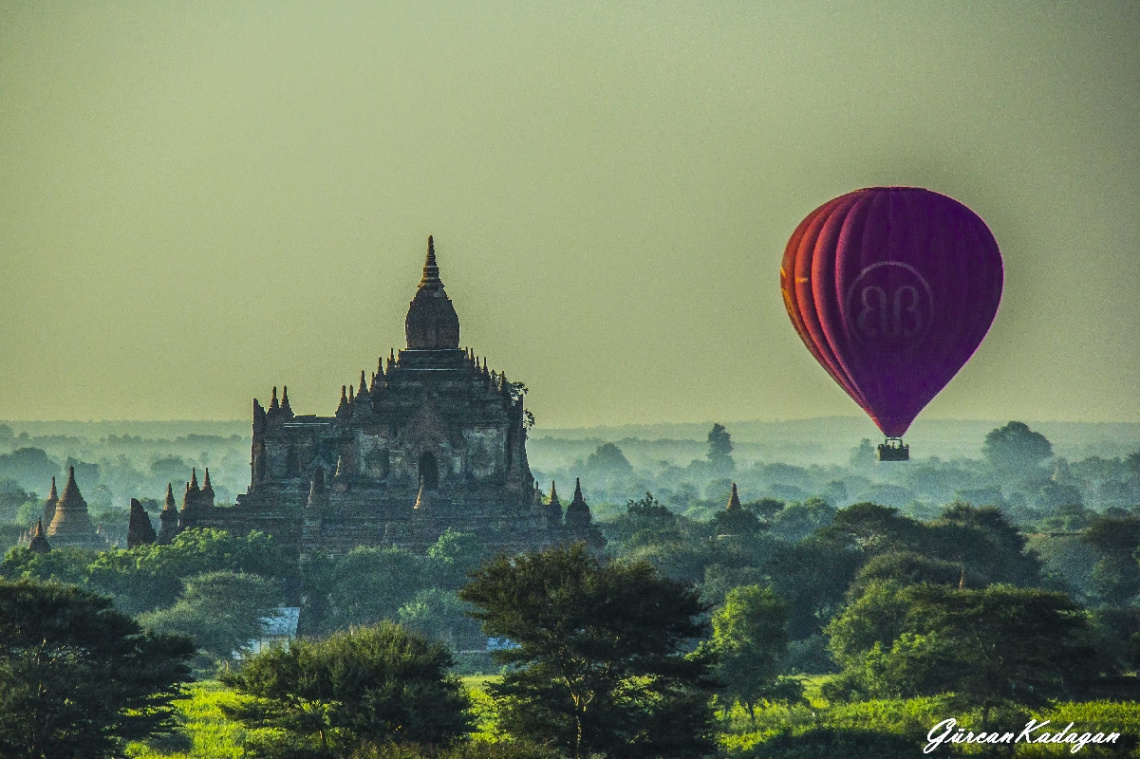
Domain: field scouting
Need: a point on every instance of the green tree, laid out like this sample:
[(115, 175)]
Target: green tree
[(1015, 448), (798, 520), (750, 639), (1132, 464), (199, 550), (736, 522), (63, 565), (370, 685), (221, 611), (990, 648), (983, 541), (150, 576), (609, 461), (645, 521), (873, 528), (862, 456), (1115, 578), (370, 584), (438, 614), (720, 450), (813, 577), (79, 679), (452, 557), (908, 568), (31, 467), (597, 662)]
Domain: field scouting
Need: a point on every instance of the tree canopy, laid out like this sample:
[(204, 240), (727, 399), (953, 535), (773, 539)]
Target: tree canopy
[(989, 647), (1015, 447), (78, 678), (328, 697), (608, 461), (222, 611), (597, 654), (750, 639), (720, 449)]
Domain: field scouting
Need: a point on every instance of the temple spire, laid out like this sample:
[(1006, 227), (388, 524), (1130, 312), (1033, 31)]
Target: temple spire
[(430, 278), (578, 513), (168, 518), (431, 323), (139, 529), (50, 503), (38, 543), (285, 401), (273, 404), (71, 497), (733, 500), (71, 525)]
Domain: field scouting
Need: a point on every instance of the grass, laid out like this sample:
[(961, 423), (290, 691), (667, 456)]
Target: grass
[(204, 732), (913, 718), (476, 686)]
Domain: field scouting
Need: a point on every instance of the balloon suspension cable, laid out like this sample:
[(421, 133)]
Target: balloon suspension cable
[(893, 449)]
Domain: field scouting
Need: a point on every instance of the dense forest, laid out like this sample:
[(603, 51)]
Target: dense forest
[(741, 607)]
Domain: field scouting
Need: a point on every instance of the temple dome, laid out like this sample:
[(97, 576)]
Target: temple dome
[(432, 323)]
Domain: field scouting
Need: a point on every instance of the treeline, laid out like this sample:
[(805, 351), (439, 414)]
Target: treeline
[(693, 618), (217, 588), (1018, 472)]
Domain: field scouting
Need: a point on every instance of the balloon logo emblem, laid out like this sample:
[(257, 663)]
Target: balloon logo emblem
[(889, 306)]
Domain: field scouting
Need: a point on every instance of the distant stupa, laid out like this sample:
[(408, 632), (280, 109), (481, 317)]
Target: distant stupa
[(71, 526), (139, 529), (50, 504), (37, 543), (168, 519)]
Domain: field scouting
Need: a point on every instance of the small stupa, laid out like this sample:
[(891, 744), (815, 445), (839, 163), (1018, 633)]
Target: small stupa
[(71, 527), (50, 503), (38, 543), (139, 529)]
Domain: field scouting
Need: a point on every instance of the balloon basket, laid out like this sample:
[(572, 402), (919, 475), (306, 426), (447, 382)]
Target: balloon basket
[(894, 450)]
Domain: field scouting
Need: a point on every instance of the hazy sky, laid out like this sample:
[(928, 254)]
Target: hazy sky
[(201, 200)]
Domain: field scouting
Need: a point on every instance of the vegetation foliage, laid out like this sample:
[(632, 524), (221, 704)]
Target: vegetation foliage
[(839, 611), (78, 678), (597, 660)]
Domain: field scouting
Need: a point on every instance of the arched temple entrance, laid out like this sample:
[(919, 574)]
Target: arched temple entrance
[(429, 470)]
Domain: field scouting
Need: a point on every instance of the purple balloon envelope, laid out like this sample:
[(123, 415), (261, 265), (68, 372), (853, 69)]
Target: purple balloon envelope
[(892, 290)]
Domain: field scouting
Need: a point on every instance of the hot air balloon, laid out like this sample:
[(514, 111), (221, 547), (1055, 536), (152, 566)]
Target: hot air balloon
[(892, 290)]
